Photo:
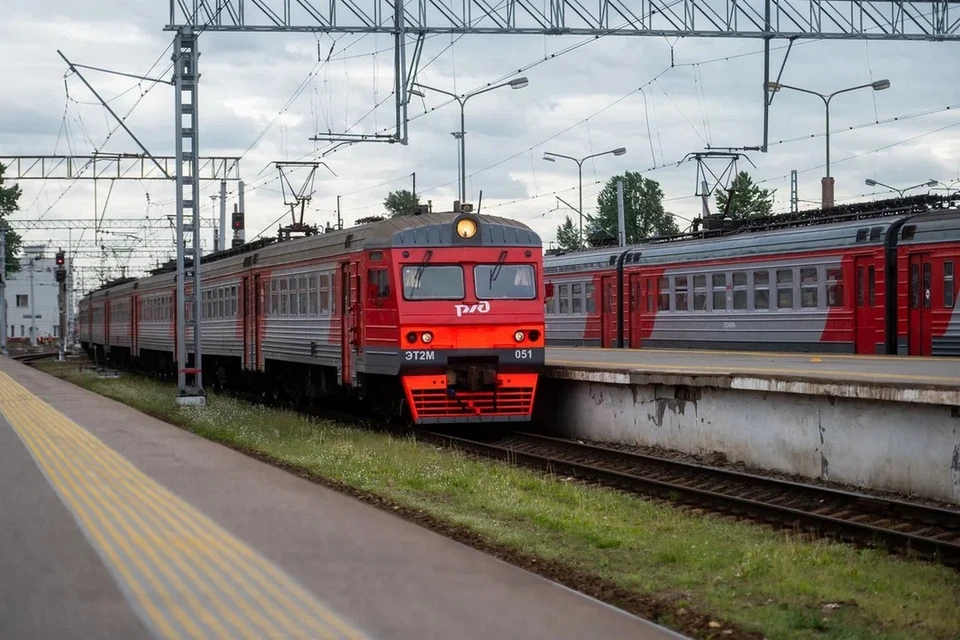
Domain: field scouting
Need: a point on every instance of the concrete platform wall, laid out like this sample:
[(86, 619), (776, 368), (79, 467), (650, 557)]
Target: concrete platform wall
[(905, 447)]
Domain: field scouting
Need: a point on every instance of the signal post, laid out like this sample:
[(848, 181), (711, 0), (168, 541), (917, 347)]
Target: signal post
[(62, 303)]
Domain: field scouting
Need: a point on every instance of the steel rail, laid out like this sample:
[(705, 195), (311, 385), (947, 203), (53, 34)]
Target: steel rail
[(929, 531)]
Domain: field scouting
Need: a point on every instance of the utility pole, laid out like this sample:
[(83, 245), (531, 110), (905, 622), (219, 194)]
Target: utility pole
[(33, 312), (621, 217), (339, 219), (794, 193), (223, 217), (3, 288)]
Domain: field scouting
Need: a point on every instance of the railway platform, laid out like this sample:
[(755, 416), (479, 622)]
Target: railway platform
[(881, 422), (888, 378), (115, 524)]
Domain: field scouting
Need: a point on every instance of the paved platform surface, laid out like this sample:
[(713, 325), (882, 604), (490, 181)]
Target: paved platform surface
[(117, 525), (897, 378)]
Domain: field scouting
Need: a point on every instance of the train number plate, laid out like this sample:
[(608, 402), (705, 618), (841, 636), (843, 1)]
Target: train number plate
[(419, 355)]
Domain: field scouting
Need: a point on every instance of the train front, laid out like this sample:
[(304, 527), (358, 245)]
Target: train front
[(471, 317)]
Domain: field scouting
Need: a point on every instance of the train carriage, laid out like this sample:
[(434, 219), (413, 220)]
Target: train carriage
[(880, 282), (443, 313)]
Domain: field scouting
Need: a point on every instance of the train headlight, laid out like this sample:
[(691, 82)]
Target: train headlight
[(518, 336), (466, 228), (411, 337), (427, 337), (534, 335)]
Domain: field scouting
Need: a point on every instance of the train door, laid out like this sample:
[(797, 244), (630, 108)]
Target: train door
[(257, 301), (350, 320), (249, 319), (635, 290), (134, 323), (608, 312), (106, 326), (865, 311), (919, 317)]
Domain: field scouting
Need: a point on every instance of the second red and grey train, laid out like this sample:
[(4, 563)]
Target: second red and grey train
[(875, 279), (441, 312)]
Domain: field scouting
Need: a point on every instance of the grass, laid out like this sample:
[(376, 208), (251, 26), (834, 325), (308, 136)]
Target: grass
[(739, 573)]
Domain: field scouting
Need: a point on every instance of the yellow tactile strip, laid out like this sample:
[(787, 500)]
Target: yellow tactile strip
[(185, 575)]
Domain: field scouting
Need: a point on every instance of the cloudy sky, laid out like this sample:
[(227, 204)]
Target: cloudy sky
[(584, 101)]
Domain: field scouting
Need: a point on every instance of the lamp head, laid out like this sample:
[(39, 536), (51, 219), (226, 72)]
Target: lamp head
[(880, 85), (773, 86), (871, 182), (932, 183), (519, 83), (548, 159), (416, 92), (620, 151)]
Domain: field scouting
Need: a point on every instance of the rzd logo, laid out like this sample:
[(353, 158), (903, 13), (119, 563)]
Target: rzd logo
[(483, 307)]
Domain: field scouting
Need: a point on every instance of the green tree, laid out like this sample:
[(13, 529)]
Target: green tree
[(9, 198), (746, 199), (644, 215), (401, 203), (568, 236)]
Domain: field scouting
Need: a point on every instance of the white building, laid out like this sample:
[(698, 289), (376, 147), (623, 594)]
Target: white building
[(33, 306)]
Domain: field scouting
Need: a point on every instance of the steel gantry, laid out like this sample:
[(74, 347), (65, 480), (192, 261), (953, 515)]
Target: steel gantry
[(105, 166), (837, 19), (114, 224), (930, 20)]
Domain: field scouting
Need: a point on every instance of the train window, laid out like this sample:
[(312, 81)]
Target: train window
[(590, 295), (284, 297), (719, 282), (680, 286), (700, 293), (808, 288), (505, 282), (312, 295), (576, 297), (304, 295), (233, 301), (324, 294), (440, 282), (740, 290), (378, 284), (564, 297), (914, 286), (948, 286), (860, 287), (784, 288), (761, 290), (876, 233), (835, 287), (551, 305), (872, 285), (274, 297), (927, 283), (663, 300), (649, 295)]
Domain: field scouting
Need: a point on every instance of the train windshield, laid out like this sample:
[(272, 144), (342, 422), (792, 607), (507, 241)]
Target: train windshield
[(504, 282), (437, 282)]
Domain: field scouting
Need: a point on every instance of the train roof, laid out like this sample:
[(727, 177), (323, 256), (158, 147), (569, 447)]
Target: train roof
[(425, 229), (930, 225)]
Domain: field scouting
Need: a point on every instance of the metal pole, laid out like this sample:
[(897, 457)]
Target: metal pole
[(62, 299), (223, 216), (826, 191), (580, 174), (3, 288), (242, 233), (33, 310), (463, 156), (414, 189), (339, 221), (621, 217)]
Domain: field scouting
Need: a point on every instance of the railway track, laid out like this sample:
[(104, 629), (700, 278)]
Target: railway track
[(27, 358), (903, 527)]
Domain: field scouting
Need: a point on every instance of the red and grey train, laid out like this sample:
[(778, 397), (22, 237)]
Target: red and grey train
[(442, 312), (881, 280)]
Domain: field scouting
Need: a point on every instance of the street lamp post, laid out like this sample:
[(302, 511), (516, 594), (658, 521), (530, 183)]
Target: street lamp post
[(827, 182), (549, 157), (516, 83), (870, 182)]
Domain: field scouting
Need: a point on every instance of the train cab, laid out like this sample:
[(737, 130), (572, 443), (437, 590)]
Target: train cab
[(469, 316)]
